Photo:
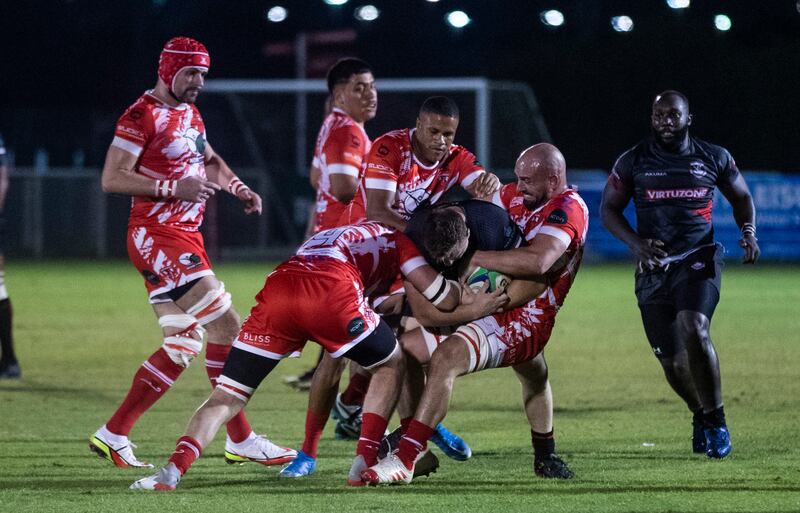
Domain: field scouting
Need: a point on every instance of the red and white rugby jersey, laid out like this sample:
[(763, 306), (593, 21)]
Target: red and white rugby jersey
[(565, 217), (341, 147), (169, 143), (392, 166), (377, 253)]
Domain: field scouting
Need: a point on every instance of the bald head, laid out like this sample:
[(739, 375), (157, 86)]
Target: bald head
[(541, 174)]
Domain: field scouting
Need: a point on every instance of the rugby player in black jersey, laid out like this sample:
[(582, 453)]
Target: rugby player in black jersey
[(671, 177)]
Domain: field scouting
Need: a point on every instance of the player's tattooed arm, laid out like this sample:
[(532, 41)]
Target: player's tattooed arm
[(475, 304), (219, 173), (744, 212), (380, 208)]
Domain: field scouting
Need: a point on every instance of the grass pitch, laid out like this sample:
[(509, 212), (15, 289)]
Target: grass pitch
[(82, 329)]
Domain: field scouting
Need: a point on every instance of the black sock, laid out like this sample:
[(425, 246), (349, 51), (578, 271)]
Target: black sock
[(715, 418), (7, 355), (697, 415), (543, 444)]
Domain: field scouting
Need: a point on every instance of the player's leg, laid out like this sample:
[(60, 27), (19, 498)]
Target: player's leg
[(9, 366), (243, 373), (418, 345), (321, 398), (537, 398), (348, 405), (452, 358), (183, 340), (380, 354)]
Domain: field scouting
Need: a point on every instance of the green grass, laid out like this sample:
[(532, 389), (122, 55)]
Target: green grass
[(83, 328)]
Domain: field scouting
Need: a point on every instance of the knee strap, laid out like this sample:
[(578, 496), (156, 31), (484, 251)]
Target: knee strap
[(183, 346), (212, 306)]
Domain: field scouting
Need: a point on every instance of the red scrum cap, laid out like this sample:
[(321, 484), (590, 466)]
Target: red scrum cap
[(180, 53)]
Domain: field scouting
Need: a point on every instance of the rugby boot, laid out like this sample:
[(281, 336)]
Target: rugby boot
[(718, 442), (348, 425), (451, 444), (258, 450), (551, 467), (389, 443), (698, 434), (389, 470), (10, 371), (118, 451), (165, 480), (303, 465), (426, 464)]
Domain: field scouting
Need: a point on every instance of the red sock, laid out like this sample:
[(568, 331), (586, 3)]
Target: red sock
[(315, 424), (216, 354), (150, 382), (356, 390), (372, 428), (404, 424), (186, 451), (414, 442)]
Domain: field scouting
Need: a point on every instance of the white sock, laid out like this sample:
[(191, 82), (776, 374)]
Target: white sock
[(109, 437)]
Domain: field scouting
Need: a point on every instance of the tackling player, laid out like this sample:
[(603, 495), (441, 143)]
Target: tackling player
[(322, 294), (671, 177), (543, 206), (161, 157)]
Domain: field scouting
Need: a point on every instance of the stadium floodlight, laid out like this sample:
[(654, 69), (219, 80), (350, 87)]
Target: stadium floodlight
[(552, 18), (336, 2), (435, 1), (458, 19), (678, 4), (367, 13), (622, 23), (722, 22), (277, 14)]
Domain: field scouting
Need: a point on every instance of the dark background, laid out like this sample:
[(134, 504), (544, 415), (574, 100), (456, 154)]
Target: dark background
[(69, 67)]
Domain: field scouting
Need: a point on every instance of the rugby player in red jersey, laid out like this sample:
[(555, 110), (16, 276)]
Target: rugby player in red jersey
[(322, 294), (161, 157), (554, 220)]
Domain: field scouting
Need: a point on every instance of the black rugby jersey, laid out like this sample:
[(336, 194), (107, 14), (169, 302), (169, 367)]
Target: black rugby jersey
[(490, 229), (673, 192)]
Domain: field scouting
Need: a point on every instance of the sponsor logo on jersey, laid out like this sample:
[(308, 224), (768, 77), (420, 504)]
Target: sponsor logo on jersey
[(190, 260), (656, 173), (663, 194), (557, 216), (698, 265), (151, 277), (356, 326), (131, 131), (253, 338), (697, 168)]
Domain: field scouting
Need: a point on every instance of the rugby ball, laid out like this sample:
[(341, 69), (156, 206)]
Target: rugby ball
[(481, 275)]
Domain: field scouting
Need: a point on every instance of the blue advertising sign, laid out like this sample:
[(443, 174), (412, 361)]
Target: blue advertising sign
[(777, 200)]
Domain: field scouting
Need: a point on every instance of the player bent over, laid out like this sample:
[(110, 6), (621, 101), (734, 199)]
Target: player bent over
[(554, 220), (160, 156), (321, 294)]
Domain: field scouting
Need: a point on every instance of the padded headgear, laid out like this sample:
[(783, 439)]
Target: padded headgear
[(180, 53)]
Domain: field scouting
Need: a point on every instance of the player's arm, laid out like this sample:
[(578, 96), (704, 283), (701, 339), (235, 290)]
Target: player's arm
[(612, 205), (218, 172), (483, 186), (475, 304), (744, 212), (442, 293), (3, 182), (380, 208), (313, 175), (530, 261), (119, 177)]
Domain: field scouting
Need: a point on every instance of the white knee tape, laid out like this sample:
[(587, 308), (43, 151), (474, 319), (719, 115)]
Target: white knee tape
[(182, 347), (212, 306)]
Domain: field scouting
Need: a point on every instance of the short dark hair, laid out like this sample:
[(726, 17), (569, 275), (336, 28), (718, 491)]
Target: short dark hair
[(345, 68), (441, 105), (444, 228)]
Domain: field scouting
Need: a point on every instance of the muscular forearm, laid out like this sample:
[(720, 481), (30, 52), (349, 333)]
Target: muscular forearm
[(123, 181), (618, 226), (744, 211), (518, 263), (218, 171), (387, 216)]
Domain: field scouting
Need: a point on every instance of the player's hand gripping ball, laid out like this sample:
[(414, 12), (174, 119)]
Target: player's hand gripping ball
[(481, 275)]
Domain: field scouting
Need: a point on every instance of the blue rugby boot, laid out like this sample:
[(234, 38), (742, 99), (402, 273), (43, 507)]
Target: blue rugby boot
[(451, 444), (301, 466), (718, 442)]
